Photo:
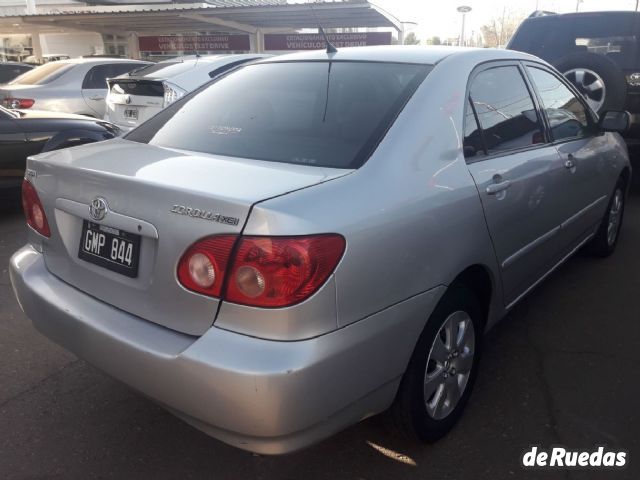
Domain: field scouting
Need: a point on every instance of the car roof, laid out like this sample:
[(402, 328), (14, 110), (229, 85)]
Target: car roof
[(610, 15), (214, 58), (427, 55), (98, 60)]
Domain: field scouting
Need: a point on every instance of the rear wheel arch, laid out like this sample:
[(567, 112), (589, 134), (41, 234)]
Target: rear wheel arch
[(479, 279), (625, 175)]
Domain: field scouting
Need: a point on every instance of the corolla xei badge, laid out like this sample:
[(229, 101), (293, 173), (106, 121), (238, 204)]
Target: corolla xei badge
[(98, 208), (204, 215)]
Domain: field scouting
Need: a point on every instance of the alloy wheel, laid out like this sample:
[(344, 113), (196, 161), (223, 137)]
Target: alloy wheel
[(590, 85), (449, 365)]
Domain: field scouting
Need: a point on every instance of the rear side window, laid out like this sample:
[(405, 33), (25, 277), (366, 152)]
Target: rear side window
[(96, 77), (9, 71), (566, 115), (505, 109), (330, 114), (473, 143), (43, 74)]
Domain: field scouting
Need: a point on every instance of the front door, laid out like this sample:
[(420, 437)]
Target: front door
[(582, 149)]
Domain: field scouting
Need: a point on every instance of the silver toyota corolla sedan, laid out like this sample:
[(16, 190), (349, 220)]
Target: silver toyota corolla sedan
[(312, 239)]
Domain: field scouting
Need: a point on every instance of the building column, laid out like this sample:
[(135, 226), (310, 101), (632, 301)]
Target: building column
[(37, 46), (133, 45), (258, 41)]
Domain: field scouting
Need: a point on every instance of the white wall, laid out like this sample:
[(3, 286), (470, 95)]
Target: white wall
[(72, 44)]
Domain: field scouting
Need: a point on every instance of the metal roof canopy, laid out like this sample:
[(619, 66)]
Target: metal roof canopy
[(155, 20)]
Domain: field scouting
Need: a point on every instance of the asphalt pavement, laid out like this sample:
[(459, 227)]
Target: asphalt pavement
[(562, 369)]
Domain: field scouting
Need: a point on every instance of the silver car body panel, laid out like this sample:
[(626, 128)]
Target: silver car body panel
[(413, 217)]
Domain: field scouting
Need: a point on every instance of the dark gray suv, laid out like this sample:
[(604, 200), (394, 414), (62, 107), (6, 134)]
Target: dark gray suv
[(597, 51)]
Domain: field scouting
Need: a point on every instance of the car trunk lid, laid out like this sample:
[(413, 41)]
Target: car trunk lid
[(171, 199), (131, 101)]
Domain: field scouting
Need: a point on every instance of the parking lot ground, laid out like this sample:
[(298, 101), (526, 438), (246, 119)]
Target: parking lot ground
[(562, 368)]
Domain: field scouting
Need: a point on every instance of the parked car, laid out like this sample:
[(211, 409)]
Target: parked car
[(49, 57), (28, 132), (276, 256), (597, 51), (10, 70), (136, 97), (72, 86)]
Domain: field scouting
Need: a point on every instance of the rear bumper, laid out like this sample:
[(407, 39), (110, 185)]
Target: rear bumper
[(264, 396)]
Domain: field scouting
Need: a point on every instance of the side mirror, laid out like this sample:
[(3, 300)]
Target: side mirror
[(614, 121)]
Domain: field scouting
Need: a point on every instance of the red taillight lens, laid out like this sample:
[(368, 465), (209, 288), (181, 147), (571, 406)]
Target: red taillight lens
[(33, 210), (12, 102), (264, 272), (281, 271), (203, 265)]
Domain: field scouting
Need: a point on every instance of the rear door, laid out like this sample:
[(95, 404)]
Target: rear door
[(94, 85), (582, 149), (519, 174)]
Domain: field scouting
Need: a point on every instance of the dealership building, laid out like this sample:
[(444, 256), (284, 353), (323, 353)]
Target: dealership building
[(156, 29)]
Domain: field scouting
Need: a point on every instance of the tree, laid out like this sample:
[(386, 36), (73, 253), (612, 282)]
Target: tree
[(411, 39), (499, 30), (434, 41)]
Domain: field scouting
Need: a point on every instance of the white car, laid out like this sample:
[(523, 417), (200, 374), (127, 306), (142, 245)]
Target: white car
[(134, 98)]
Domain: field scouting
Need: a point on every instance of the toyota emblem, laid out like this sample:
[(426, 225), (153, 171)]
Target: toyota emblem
[(98, 208)]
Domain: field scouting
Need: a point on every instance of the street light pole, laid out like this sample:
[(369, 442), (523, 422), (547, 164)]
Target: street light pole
[(578, 2), (463, 9)]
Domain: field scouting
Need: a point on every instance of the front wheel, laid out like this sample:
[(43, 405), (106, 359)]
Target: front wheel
[(604, 242), (442, 370)]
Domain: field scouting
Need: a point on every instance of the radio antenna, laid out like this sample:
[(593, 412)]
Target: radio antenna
[(330, 47)]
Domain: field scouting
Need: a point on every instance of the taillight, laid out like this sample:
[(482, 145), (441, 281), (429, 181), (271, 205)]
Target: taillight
[(264, 271), (14, 103), (203, 265), (171, 93), (33, 210)]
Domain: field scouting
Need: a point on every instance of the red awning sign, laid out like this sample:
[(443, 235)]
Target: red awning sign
[(314, 41), (194, 43)]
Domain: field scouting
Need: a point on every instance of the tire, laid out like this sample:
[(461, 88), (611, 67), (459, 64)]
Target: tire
[(614, 93), (413, 415), (604, 242)]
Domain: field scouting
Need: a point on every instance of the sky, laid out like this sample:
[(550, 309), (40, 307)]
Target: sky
[(439, 17)]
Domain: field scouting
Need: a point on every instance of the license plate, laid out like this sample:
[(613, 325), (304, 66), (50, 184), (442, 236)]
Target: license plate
[(110, 248), (131, 113)]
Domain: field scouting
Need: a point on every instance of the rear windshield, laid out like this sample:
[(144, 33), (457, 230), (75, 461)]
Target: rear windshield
[(162, 69), (330, 114), (613, 35), (43, 74)]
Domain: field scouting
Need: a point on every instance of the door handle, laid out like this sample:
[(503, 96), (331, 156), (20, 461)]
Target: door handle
[(498, 187), (96, 98)]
